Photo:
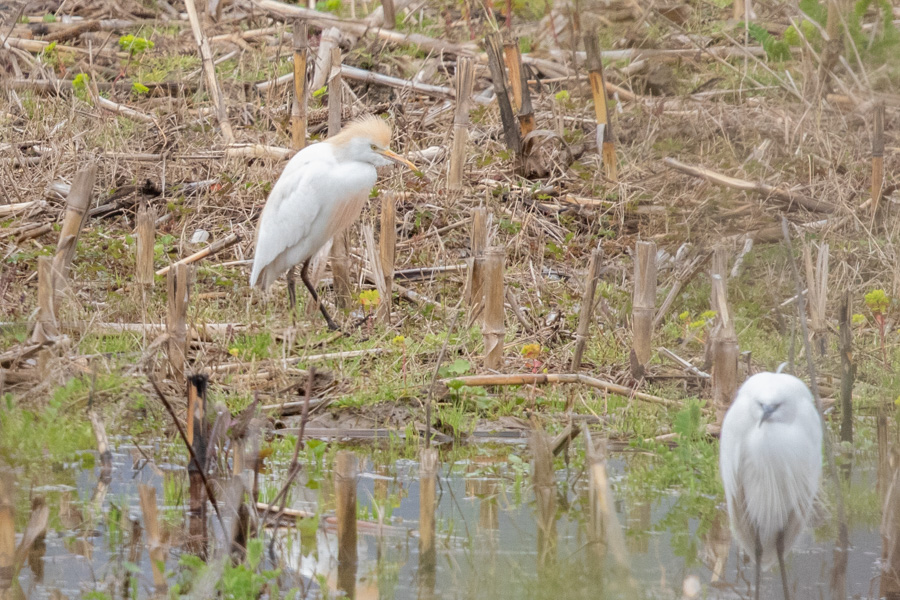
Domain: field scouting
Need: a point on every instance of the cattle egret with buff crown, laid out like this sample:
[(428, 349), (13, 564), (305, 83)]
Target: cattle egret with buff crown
[(321, 192), (770, 459)]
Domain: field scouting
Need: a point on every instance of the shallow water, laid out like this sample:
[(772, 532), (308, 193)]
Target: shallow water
[(487, 539)]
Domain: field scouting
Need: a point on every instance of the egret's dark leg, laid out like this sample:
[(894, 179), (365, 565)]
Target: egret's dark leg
[(304, 275), (758, 557), (292, 293), (779, 548)]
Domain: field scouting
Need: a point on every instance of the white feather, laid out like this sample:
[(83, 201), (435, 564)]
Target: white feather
[(770, 468), (316, 197)]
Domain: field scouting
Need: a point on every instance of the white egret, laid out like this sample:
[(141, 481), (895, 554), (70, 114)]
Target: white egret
[(321, 191), (770, 459)]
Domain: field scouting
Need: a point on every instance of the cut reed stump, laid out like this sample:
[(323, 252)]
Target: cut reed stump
[(102, 445), (145, 230), (77, 203), (817, 295), (197, 432), (479, 240), (178, 294), (511, 131), (45, 326), (848, 367), (345, 473), (518, 83), (493, 329), (298, 108), (644, 306), (725, 352), (465, 80), (147, 495), (605, 142), (428, 469), (387, 250), (340, 249), (390, 16), (587, 307)]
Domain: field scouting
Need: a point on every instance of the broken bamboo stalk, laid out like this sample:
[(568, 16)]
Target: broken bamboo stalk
[(493, 329), (45, 327), (725, 351), (102, 444), (512, 58), (77, 204), (329, 40), (848, 367), (587, 307), (644, 306), (298, 108), (178, 294), (763, 189), (465, 80), (147, 495), (479, 240), (345, 473), (387, 249), (213, 248), (209, 70), (335, 93), (877, 156), (554, 378), (601, 106), (501, 89), (390, 17), (145, 230)]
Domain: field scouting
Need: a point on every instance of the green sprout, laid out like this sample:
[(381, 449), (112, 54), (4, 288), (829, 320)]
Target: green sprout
[(135, 45)]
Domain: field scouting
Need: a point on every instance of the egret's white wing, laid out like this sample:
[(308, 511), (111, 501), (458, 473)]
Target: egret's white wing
[(311, 201)]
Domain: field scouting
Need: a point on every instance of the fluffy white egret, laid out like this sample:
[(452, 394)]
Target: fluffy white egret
[(770, 459), (320, 193)]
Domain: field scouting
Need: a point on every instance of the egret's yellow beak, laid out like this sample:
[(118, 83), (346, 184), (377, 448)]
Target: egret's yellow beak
[(396, 158)]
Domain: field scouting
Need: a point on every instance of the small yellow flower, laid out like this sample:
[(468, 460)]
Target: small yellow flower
[(531, 351), (369, 298), (233, 351), (399, 340)]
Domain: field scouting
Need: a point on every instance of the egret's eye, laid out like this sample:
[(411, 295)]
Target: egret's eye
[(374, 147)]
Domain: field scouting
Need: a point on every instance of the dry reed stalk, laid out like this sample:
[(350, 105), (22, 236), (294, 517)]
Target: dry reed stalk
[(725, 352), (644, 306), (877, 156), (213, 248), (77, 204), (378, 276), (147, 494), (340, 269), (197, 433), (848, 367), (9, 210), (739, 10), (587, 307), (817, 294), (145, 230), (7, 528), (890, 534), (682, 277), (178, 294), (387, 247), (763, 189), (435, 91), (479, 240), (209, 71), (45, 328), (553, 378), (390, 17), (884, 459), (513, 61), (329, 40), (493, 328), (718, 267), (465, 80), (501, 88), (428, 470), (298, 109), (335, 93), (102, 444), (544, 484), (601, 106), (345, 473)]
